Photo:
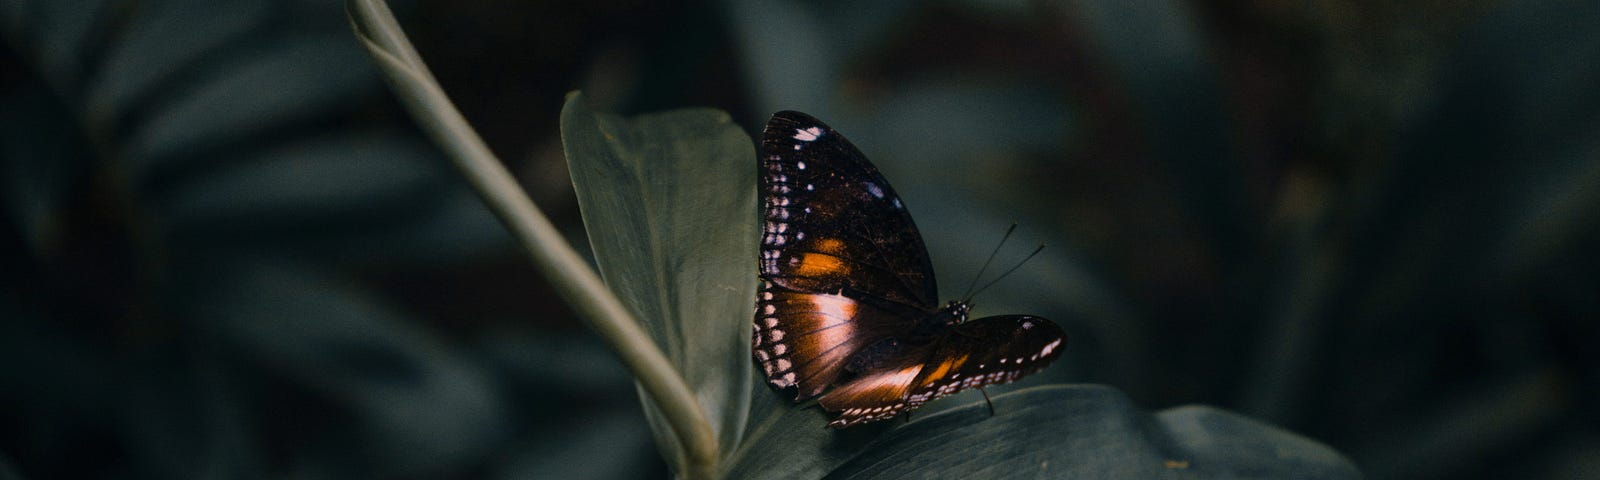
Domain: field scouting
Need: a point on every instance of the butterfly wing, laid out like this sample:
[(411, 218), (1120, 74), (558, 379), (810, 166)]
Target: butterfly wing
[(805, 340), (842, 264), (985, 351), (833, 222), (880, 390)]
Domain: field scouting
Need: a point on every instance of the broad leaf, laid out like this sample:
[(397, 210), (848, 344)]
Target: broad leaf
[(788, 440), (1091, 432), (669, 203)]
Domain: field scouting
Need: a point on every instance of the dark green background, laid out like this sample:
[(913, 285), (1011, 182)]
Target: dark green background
[(227, 253)]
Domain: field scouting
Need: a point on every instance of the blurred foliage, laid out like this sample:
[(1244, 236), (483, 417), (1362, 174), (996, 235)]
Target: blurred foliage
[(226, 252)]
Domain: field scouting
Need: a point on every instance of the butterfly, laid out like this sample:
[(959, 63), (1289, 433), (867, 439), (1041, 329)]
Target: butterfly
[(848, 304)]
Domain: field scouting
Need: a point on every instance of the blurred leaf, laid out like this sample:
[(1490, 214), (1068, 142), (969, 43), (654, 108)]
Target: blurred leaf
[(61, 32), (307, 182), (7, 470), (162, 41), (1091, 432), (581, 418), (62, 392), (422, 407), (668, 200), (577, 362), (183, 415), (449, 225), (1551, 115), (608, 448), (791, 57), (931, 125), (1159, 53), (34, 126), (795, 51), (218, 133), (1490, 194), (276, 85)]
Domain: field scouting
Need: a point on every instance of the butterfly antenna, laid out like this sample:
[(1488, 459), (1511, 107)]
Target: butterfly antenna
[(986, 400), (979, 276), (1008, 272)]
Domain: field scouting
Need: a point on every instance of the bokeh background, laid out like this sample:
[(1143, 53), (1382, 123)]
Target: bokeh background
[(226, 252)]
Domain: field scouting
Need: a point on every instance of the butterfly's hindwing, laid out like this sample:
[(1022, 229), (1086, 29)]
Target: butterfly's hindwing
[(804, 340), (986, 351), (878, 392)]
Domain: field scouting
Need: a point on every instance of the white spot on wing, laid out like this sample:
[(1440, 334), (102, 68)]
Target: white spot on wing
[(808, 134), (1050, 347), (874, 189)]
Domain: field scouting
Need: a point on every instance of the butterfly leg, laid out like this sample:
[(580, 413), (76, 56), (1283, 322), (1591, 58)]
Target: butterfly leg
[(986, 400)]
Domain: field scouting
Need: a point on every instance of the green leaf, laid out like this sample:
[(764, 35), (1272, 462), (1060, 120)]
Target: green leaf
[(1158, 52), (7, 471), (336, 178), (668, 200), (165, 38), (1091, 432), (296, 79), (40, 160), (421, 406), (788, 440)]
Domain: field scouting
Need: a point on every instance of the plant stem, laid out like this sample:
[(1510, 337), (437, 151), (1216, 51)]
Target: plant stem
[(572, 277)]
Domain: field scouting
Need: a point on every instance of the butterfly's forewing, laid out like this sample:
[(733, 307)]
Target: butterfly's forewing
[(985, 351), (842, 264), (832, 222)]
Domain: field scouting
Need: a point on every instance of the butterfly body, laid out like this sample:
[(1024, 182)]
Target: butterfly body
[(847, 310)]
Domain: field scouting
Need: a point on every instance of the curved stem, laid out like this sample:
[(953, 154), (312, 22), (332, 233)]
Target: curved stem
[(572, 277)]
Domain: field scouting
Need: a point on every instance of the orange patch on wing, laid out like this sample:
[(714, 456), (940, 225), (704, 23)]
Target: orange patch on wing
[(816, 265), (945, 367), (830, 245)]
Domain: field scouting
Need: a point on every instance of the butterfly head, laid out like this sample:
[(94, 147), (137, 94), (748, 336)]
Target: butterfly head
[(956, 312)]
